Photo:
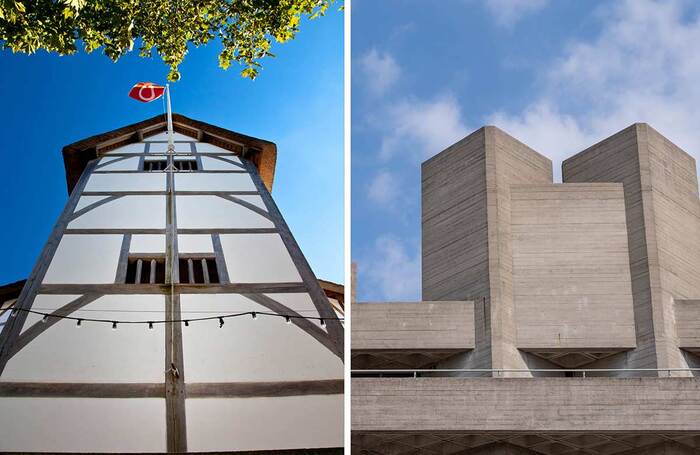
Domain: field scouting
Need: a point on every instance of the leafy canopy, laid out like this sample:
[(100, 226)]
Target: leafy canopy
[(246, 28)]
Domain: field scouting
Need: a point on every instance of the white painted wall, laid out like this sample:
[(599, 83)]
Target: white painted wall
[(94, 352), (164, 137), (136, 147), (128, 212), (204, 147), (194, 243), (264, 423), (85, 258), (216, 212), (301, 303), (162, 147), (84, 201), (264, 349), (146, 181), (82, 425), (258, 258), (255, 200), (210, 163), (214, 182), (147, 243), (129, 164)]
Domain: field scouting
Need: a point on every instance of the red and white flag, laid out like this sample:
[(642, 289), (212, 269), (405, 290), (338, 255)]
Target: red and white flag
[(146, 92)]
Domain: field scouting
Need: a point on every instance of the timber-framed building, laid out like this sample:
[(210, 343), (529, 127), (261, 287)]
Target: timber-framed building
[(171, 236)]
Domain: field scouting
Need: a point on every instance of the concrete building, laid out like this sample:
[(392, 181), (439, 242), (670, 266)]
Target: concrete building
[(557, 318), (124, 337)]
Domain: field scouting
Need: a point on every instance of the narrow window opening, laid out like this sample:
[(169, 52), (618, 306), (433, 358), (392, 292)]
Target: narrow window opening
[(145, 270), (186, 165), (161, 164), (198, 270), (155, 165)]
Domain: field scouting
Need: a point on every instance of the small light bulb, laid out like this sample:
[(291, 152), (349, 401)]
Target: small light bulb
[(323, 323), (114, 325), (150, 325), (45, 318), (79, 323), (187, 323), (287, 319), (14, 312), (254, 315), (221, 322)]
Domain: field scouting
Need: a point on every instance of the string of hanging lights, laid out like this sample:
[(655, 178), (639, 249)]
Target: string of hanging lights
[(115, 323)]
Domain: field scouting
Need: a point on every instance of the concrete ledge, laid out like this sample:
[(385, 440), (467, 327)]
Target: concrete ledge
[(415, 326), (526, 405)]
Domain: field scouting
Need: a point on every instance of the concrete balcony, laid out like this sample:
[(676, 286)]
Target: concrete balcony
[(542, 415), (410, 334)]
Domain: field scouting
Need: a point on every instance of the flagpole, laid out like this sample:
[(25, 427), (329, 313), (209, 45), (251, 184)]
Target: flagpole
[(171, 143)]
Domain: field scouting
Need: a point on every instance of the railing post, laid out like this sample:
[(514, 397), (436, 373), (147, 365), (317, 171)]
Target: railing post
[(415, 374)]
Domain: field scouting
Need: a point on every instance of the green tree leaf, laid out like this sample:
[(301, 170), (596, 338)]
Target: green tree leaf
[(246, 28)]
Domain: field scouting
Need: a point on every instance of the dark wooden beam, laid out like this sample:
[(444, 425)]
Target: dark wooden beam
[(82, 390), (264, 389)]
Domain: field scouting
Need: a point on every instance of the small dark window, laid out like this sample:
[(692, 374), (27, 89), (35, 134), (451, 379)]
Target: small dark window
[(160, 165), (155, 165), (186, 165), (198, 270), (145, 270)]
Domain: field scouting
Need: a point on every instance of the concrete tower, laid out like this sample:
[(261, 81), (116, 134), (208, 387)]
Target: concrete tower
[(148, 236), (557, 318)]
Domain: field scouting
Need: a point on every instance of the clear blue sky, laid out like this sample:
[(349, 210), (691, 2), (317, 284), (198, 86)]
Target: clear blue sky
[(296, 102), (558, 75)]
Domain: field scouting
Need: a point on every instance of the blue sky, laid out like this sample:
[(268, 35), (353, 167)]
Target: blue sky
[(297, 102), (558, 75)]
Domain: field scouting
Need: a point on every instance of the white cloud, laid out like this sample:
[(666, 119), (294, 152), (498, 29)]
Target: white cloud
[(391, 271), (508, 12), (557, 136), (419, 129), (383, 188), (644, 66), (380, 71)]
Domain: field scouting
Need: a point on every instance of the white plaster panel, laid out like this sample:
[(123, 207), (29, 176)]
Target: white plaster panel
[(264, 349), (162, 147), (258, 258), (45, 303), (147, 243), (84, 201), (146, 181), (94, 352), (212, 164), (83, 258), (205, 147), (136, 147), (255, 200), (265, 423), (300, 303), (82, 425), (154, 157), (214, 182), (128, 212), (216, 212), (109, 159), (163, 136), (129, 164), (194, 243)]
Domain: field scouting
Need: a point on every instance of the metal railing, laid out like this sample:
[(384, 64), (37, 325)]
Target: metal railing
[(499, 372)]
